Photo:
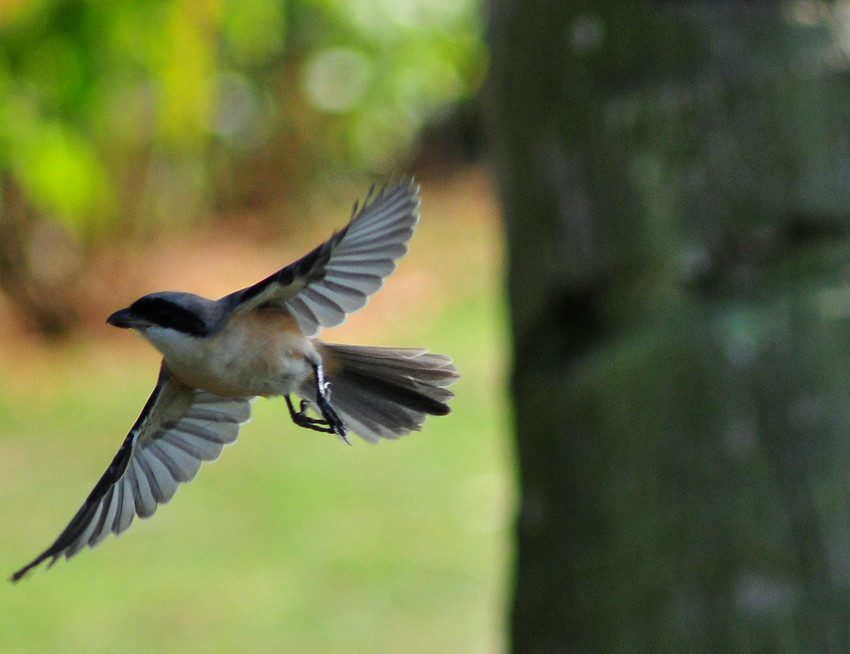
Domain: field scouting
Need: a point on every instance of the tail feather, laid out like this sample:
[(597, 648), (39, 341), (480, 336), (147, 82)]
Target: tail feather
[(382, 392)]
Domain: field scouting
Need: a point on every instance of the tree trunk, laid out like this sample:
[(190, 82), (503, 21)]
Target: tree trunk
[(675, 187)]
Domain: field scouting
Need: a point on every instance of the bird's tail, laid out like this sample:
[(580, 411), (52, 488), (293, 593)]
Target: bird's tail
[(385, 392)]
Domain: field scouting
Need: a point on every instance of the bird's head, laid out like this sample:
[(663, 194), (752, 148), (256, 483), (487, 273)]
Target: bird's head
[(161, 313)]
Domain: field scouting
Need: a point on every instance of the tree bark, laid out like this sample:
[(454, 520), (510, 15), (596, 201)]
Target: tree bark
[(675, 187)]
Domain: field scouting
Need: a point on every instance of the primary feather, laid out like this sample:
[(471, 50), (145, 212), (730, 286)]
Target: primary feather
[(179, 428), (337, 278)]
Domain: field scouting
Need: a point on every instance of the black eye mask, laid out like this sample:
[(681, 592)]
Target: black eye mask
[(165, 313)]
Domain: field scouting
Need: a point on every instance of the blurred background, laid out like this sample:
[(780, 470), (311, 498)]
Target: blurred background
[(634, 244), (200, 146)]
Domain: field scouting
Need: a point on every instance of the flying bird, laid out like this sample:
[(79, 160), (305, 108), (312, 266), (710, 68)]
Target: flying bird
[(261, 341)]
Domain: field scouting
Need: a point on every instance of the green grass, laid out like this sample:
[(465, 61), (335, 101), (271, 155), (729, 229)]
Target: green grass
[(291, 542)]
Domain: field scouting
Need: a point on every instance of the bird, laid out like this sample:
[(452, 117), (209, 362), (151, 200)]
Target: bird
[(218, 356)]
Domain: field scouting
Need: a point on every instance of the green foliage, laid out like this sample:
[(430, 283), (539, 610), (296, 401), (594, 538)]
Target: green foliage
[(135, 107)]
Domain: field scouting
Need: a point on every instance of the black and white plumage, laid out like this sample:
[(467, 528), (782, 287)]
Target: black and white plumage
[(219, 355)]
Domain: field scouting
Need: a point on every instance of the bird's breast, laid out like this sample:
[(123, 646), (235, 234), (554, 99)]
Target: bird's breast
[(259, 353)]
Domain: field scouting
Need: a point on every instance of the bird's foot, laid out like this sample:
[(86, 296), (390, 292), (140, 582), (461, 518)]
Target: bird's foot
[(330, 423)]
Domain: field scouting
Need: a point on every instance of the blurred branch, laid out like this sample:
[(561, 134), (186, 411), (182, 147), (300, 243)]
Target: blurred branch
[(38, 265)]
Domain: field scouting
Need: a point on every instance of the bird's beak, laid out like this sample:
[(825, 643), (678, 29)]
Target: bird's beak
[(124, 319)]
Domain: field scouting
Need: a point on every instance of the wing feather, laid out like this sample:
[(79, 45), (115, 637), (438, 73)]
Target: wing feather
[(337, 278), (142, 478), (107, 518), (88, 528), (178, 429), (126, 511)]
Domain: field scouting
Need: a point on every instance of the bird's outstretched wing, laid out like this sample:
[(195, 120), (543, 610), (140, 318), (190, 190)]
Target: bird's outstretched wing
[(178, 429), (337, 278)]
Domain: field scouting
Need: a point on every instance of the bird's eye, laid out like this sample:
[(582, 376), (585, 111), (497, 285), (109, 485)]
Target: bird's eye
[(166, 313)]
